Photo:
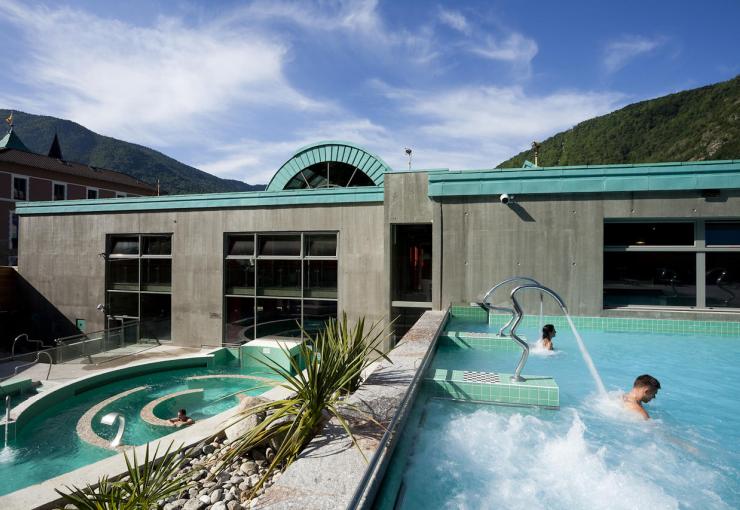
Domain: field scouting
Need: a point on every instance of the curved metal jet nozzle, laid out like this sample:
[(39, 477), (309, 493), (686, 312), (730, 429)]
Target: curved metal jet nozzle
[(110, 419), (518, 315), (488, 295)]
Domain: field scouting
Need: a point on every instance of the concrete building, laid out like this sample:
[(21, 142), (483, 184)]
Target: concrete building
[(26, 176), (337, 230)]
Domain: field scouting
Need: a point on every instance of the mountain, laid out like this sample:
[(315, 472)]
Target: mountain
[(81, 145), (693, 125)]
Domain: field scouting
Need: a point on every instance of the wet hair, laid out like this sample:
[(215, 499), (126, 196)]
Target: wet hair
[(647, 380), (182, 411), (548, 330)]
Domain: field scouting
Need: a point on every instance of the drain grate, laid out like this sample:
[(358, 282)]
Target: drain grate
[(481, 377)]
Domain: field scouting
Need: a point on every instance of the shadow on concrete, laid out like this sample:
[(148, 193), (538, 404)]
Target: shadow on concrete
[(521, 212)]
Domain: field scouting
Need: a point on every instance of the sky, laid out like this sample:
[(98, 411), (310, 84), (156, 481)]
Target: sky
[(236, 87)]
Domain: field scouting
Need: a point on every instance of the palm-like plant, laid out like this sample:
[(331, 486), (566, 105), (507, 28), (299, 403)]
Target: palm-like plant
[(139, 490), (333, 368)]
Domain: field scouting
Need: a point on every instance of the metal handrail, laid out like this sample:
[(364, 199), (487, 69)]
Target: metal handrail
[(489, 295), (519, 316), (12, 349), (38, 355), (7, 418)]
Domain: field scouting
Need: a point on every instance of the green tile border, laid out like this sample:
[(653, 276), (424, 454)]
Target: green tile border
[(610, 324)]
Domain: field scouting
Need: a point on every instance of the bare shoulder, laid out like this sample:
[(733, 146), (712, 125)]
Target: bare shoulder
[(636, 408)]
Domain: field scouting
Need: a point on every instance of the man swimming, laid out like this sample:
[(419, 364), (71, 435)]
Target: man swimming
[(182, 419), (643, 391)]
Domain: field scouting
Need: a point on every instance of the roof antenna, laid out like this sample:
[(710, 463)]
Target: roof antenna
[(408, 153), (536, 149)]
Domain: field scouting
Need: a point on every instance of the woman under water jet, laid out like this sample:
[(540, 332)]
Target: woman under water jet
[(548, 333)]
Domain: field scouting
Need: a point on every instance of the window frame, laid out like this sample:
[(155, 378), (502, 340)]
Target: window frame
[(88, 189), (26, 178), (66, 190), (699, 248), (256, 257)]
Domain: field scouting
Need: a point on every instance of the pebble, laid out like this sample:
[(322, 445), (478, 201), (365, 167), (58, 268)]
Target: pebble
[(219, 506), (216, 496), (194, 504), (248, 468)]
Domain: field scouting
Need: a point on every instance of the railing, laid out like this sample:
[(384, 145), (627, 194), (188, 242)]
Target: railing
[(82, 347), (38, 358), (23, 335)]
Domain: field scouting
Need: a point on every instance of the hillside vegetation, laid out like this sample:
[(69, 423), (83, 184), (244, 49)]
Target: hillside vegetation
[(693, 125), (81, 145)]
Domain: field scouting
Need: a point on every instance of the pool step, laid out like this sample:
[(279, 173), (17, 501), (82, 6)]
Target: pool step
[(495, 387), (482, 341)]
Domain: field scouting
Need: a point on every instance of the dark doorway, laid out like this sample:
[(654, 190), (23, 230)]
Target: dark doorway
[(411, 256)]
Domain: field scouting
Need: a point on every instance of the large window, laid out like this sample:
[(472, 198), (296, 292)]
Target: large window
[(276, 284), (139, 282), (692, 264)]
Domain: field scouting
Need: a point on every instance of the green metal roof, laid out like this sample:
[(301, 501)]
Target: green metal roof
[(589, 179), (13, 141), (320, 152), (319, 196)]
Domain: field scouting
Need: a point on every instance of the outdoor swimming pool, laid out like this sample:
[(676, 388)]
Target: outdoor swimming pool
[(590, 453), (49, 445)]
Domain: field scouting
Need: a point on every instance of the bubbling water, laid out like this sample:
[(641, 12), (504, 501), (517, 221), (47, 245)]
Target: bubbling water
[(498, 458)]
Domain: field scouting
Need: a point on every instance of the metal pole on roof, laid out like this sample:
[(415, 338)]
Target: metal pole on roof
[(408, 153)]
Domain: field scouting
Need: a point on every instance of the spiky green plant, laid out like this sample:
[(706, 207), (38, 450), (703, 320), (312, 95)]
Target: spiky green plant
[(144, 485), (333, 367)]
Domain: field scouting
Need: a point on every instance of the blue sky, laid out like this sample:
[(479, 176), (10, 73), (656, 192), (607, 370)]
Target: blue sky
[(235, 87)]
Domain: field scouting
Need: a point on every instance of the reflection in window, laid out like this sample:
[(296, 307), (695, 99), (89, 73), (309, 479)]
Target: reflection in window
[(648, 234), (724, 233), (723, 279), (157, 245), (241, 245), (644, 278), (123, 304), (156, 275), (239, 319), (320, 278), (329, 174), (321, 245), (156, 316), (280, 245), (123, 274), (316, 313), (278, 317), (20, 188), (124, 245), (279, 278), (240, 276), (60, 191)]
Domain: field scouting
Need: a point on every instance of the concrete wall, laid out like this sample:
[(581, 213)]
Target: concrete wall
[(556, 239), (59, 257)]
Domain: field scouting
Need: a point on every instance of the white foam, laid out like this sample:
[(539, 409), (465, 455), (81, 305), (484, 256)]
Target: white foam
[(494, 459), (7, 455)]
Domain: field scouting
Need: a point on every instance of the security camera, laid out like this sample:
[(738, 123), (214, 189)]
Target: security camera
[(100, 307), (505, 198)]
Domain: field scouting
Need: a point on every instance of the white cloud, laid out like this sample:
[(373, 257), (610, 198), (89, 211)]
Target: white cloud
[(455, 20), (495, 122), (514, 48), (147, 84), (619, 53)]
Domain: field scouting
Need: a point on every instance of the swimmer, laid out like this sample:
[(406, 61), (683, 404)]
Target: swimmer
[(643, 391), (548, 333), (182, 419)]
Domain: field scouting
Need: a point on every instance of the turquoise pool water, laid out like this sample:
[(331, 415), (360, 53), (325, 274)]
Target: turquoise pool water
[(49, 445), (589, 454)]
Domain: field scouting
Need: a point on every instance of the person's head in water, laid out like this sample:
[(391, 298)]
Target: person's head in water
[(645, 388), (548, 331), (182, 414)]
